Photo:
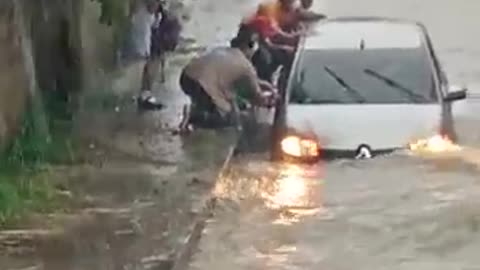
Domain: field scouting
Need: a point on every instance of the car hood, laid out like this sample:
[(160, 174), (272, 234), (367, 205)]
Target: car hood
[(381, 127)]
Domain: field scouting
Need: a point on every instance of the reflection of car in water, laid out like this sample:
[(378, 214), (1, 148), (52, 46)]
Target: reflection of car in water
[(362, 83)]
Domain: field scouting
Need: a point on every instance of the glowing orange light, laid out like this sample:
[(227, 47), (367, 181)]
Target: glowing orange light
[(291, 146), (298, 147), (435, 144)]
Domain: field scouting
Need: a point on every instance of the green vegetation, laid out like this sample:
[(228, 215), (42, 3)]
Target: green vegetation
[(115, 13), (25, 178), (45, 137)]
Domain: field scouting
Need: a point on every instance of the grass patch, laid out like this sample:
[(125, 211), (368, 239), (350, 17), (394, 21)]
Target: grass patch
[(25, 192), (25, 174)]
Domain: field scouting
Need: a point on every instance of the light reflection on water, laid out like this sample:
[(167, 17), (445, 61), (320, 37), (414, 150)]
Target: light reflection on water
[(291, 189), (271, 199)]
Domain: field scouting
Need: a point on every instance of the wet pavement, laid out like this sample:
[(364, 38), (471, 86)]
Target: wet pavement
[(135, 199), (399, 211), (125, 214)]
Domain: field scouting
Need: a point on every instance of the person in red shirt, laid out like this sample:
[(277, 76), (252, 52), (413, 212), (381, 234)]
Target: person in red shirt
[(281, 12), (276, 47)]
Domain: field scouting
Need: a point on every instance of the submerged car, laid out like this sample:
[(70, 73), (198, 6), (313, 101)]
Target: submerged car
[(360, 86)]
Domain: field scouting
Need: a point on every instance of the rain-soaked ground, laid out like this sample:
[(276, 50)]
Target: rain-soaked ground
[(133, 202), (399, 211)]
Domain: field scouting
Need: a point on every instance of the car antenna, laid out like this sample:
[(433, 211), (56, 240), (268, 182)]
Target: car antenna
[(362, 44)]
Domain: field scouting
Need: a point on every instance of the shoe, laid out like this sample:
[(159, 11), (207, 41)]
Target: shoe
[(148, 102)]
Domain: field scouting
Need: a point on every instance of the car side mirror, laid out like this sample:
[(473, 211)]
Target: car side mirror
[(456, 93)]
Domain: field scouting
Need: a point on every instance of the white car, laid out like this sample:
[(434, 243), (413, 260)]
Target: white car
[(362, 85)]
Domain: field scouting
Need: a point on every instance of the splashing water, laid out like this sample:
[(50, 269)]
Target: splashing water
[(435, 144)]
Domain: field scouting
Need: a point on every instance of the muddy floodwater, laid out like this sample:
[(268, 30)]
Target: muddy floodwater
[(393, 212)]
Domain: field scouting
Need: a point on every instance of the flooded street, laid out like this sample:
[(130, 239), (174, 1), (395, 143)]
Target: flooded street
[(394, 212)]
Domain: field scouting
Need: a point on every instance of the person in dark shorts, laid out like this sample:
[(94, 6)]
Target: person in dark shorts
[(143, 20), (165, 37), (280, 25), (203, 111), (211, 83), (277, 47)]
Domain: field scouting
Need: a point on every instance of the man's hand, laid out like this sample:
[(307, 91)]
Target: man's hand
[(269, 99), (288, 49), (266, 86), (311, 16)]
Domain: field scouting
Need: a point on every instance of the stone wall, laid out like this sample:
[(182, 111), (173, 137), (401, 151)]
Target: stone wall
[(102, 70), (53, 47), (53, 26), (14, 82), (57, 47), (98, 46)]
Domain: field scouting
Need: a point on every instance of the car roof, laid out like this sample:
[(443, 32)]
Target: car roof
[(378, 32), (372, 19)]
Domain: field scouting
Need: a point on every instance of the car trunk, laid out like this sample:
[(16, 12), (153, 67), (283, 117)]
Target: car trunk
[(381, 127)]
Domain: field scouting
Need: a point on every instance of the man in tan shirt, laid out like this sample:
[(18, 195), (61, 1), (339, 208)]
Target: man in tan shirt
[(214, 80)]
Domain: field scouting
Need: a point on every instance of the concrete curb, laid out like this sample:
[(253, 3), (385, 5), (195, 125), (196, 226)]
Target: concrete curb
[(183, 256)]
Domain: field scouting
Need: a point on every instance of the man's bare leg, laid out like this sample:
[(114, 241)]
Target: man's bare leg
[(162, 68), (184, 124), (146, 99)]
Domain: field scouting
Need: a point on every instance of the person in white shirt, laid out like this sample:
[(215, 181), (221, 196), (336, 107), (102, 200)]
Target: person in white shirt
[(143, 19)]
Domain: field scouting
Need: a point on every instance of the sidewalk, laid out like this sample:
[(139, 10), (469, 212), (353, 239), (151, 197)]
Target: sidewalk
[(133, 203)]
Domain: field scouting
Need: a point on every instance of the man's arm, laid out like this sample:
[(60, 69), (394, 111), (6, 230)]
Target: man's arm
[(251, 81), (262, 98), (253, 84), (280, 46), (284, 34), (264, 84), (310, 16)]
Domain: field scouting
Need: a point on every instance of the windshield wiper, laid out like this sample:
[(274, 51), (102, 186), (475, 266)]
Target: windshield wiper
[(322, 101), (396, 85), (354, 93)]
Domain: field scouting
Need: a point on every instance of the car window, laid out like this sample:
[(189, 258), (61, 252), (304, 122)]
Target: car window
[(375, 35), (363, 74)]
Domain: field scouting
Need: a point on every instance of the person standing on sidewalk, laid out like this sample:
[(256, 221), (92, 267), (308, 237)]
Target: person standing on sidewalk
[(143, 19), (214, 81), (165, 38)]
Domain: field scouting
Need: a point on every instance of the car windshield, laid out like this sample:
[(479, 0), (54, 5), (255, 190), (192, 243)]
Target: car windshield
[(360, 69)]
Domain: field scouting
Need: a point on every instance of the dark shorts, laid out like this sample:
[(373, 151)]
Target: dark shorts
[(267, 60), (166, 36), (204, 112)]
